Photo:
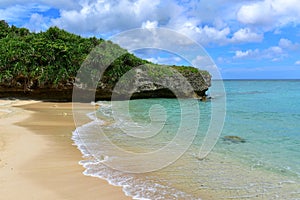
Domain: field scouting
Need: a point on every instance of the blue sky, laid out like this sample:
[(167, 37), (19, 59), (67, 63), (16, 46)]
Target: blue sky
[(246, 38)]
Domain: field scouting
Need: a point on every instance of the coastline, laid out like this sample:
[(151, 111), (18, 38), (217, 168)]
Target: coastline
[(48, 167), (37, 158)]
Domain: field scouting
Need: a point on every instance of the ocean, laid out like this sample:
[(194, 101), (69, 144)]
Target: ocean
[(152, 147)]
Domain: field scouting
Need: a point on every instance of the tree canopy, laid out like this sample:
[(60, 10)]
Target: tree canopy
[(52, 58)]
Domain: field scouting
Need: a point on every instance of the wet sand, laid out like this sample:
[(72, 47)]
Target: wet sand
[(37, 158)]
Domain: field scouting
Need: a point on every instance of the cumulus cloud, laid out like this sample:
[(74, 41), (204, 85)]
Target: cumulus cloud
[(247, 54), (221, 36), (65, 4), (270, 14), (165, 60), (202, 61), (104, 18), (256, 13), (208, 34), (287, 44), (220, 23), (9, 3), (37, 23), (217, 12), (246, 35), (273, 53), (108, 16), (203, 34), (149, 25), (19, 14)]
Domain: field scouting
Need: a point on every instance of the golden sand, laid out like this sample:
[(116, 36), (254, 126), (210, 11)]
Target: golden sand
[(37, 158)]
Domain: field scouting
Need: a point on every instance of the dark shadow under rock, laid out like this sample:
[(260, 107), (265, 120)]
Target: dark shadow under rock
[(233, 139)]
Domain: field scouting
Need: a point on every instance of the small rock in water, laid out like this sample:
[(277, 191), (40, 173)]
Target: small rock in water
[(234, 139)]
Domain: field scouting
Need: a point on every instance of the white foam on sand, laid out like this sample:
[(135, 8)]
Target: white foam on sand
[(138, 187), (7, 106)]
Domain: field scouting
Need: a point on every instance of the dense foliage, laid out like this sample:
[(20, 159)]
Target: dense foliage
[(51, 59)]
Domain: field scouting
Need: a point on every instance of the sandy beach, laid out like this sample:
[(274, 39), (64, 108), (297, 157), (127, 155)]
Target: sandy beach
[(37, 158)]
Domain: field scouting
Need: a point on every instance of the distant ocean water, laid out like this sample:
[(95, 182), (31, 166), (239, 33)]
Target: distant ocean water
[(265, 113)]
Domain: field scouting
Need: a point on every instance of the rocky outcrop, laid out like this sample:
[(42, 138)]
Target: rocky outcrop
[(234, 139), (162, 82), (140, 83)]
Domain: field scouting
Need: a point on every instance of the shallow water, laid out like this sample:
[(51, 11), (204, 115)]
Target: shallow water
[(266, 114)]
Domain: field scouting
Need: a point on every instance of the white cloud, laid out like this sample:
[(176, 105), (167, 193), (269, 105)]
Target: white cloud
[(297, 62), (209, 34), (149, 25), (153, 60), (20, 13), (10, 3), (221, 23), (287, 44), (275, 49), (65, 4), (255, 13), (274, 53), (37, 23), (247, 54), (270, 14), (246, 35), (217, 12), (206, 34), (165, 60), (108, 16), (202, 62), (103, 18)]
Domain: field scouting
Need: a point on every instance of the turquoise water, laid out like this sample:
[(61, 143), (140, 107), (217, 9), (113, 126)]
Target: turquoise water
[(266, 114)]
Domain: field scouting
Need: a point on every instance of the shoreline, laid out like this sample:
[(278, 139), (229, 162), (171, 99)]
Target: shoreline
[(38, 158), (48, 168)]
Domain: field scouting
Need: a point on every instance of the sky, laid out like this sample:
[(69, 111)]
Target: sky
[(246, 39)]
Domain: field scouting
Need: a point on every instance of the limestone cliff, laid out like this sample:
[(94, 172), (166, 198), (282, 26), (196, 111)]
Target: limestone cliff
[(143, 83), (163, 82)]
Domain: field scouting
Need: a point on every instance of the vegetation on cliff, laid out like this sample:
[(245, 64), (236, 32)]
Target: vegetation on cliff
[(52, 58)]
